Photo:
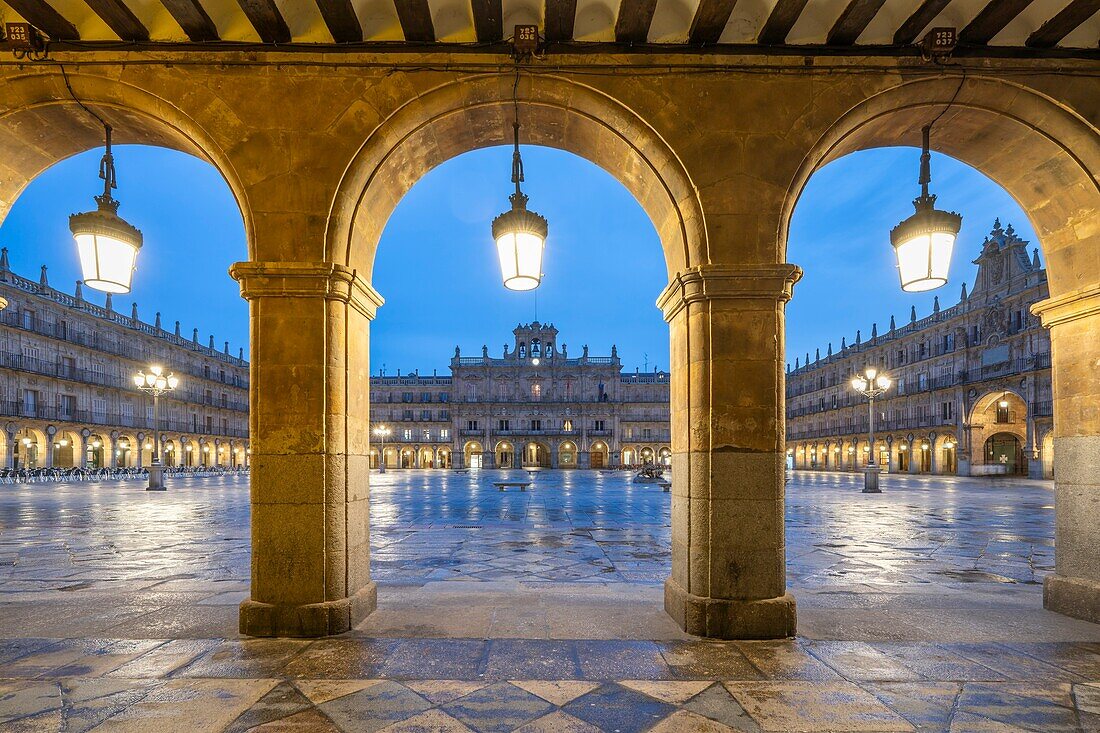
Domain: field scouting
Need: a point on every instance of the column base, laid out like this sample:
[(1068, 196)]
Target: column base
[(1075, 597), (870, 480), (308, 620), (722, 618)]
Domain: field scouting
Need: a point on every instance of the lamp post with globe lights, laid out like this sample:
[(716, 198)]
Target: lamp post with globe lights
[(871, 384), (382, 431), (156, 383)]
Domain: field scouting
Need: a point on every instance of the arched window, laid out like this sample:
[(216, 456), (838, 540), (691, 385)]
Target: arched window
[(522, 350)]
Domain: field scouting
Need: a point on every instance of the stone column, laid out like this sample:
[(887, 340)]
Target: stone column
[(310, 433), (458, 458), (1074, 322), (728, 555), (582, 459)]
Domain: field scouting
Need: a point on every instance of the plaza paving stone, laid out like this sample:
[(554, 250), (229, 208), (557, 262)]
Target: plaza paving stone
[(919, 610)]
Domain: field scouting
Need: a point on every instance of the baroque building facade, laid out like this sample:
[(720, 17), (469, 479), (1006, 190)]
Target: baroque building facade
[(67, 398), (533, 406), (971, 391)]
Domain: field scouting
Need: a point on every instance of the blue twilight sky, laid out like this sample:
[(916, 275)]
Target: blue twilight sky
[(436, 265)]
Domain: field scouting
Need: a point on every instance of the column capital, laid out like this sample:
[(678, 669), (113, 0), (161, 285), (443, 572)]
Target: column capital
[(728, 282), (1080, 303), (307, 280)]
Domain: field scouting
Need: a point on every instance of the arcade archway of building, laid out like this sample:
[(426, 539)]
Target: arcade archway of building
[(316, 186)]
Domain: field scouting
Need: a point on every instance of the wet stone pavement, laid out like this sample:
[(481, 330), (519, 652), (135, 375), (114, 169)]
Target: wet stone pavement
[(919, 610)]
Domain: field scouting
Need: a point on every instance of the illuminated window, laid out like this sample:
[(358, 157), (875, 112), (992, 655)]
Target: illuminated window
[(567, 426), (536, 391)]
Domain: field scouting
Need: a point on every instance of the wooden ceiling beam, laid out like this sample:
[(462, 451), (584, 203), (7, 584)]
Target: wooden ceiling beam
[(416, 20), (488, 20), (192, 18), (46, 19), (852, 22), (909, 31), (265, 17), (783, 17), (342, 22), (991, 20), (120, 19), (635, 17), (561, 16), (1066, 21), (710, 21)]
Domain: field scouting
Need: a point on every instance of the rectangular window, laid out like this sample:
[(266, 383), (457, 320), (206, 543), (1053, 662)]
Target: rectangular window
[(536, 424), (597, 424), (30, 402), (406, 396), (1002, 412), (502, 425), (209, 424), (67, 405), (408, 433), (407, 415), (425, 396), (536, 391), (425, 415), (647, 433), (567, 426), (472, 425), (28, 319), (126, 413), (426, 435), (444, 396), (444, 433)]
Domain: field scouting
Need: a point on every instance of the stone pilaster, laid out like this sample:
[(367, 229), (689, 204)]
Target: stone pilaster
[(310, 433), (728, 555), (1074, 322)]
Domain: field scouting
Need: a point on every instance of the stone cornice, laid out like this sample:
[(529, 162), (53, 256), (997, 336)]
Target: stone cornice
[(306, 280), (1081, 303), (728, 282)]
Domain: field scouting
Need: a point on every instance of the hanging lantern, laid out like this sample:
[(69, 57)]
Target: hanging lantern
[(106, 243), (520, 235), (923, 242)]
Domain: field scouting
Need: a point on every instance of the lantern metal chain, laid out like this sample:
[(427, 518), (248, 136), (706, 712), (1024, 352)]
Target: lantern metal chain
[(517, 161)]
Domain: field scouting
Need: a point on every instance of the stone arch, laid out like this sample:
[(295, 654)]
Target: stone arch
[(60, 129), (987, 400), (1062, 155), (460, 116), (30, 447)]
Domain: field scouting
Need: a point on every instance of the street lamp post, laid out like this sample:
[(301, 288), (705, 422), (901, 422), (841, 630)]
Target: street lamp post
[(156, 383), (871, 384), (382, 431)]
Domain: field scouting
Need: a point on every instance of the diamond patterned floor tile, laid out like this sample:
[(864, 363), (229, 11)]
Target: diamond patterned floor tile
[(558, 722), (432, 721), (498, 708), (557, 692), (439, 692), (319, 691), (613, 707), (375, 707), (674, 693), (683, 721)]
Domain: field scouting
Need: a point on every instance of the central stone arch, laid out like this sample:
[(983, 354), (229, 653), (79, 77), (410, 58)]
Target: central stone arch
[(476, 112)]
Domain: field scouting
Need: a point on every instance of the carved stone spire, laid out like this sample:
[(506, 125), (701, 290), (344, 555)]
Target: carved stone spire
[(830, 352), (156, 324), (964, 295), (892, 326), (109, 305), (936, 304), (4, 266), (79, 293), (913, 314), (133, 311), (43, 280)]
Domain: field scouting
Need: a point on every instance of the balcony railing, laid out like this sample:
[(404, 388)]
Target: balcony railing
[(11, 408), (24, 363), (136, 352)]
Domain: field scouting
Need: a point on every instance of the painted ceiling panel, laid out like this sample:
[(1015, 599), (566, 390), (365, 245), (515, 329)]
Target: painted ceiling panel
[(746, 20), (379, 20), (304, 20), (522, 12), (596, 20), (672, 21), (453, 21), (816, 20)]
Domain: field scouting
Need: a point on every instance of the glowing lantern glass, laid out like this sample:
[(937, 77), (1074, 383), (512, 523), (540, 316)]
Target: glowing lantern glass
[(923, 242), (520, 235), (106, 243)]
